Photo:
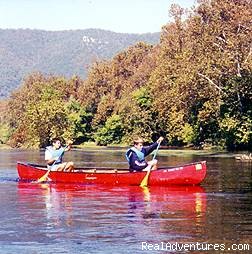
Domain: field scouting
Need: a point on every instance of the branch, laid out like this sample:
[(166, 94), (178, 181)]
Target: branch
[(240, 27), (221, 39), (249, 54), (210, 81), (238, 68), (216, 44)]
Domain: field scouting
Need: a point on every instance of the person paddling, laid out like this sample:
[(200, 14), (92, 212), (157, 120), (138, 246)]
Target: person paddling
[(136, 155), (54, 156)]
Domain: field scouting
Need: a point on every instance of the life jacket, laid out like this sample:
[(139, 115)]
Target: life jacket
[(139, 154), (58, 153)]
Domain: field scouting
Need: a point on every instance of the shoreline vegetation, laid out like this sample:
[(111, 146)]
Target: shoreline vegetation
[(163, 151), (123, 146), (193, 88)]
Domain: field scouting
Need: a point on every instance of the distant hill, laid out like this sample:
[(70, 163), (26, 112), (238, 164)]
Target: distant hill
[(23, 51)]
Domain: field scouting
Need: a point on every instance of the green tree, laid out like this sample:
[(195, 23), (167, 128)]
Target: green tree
[(111, 132), (199, 56), (79, 120), (37, 111)]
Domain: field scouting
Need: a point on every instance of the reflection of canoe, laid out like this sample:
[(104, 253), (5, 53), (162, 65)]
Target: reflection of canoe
[(189, 174), (188, 198), (153, 202)]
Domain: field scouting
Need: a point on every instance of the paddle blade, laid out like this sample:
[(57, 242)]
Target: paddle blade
[(145, 180), (44, 177)]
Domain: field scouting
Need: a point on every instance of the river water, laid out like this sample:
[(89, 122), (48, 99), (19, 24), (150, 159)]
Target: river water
[(215, 217)]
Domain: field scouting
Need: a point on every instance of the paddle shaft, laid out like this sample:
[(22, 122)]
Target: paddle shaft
[(155, 154), (145, 180)]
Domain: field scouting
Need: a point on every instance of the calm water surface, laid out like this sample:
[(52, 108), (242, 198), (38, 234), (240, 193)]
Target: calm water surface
[(43, 218)]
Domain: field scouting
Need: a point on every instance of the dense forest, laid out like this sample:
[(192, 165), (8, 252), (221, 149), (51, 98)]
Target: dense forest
[(23, 51), (194, 88)]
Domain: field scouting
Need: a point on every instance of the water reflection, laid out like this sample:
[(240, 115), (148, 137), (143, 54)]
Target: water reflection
[(60, 218), (131, 211)]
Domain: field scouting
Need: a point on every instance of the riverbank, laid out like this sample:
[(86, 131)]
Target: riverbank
[(163, 150), (4, 146)]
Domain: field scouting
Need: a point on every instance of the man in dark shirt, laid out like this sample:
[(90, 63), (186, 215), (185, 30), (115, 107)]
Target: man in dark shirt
[(136, 155)]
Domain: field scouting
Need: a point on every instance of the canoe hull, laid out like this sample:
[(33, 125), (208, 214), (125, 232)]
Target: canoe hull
[(190, 174)]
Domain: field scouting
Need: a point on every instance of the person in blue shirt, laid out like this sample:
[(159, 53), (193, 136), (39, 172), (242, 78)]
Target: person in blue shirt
[(54, 155), (136, 155)]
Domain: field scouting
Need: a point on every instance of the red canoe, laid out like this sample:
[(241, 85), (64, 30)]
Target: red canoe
[(189, 174)]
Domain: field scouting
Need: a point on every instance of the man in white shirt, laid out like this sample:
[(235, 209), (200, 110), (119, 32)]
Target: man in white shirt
[(54, 155)]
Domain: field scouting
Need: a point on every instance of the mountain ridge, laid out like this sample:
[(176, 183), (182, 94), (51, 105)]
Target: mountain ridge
[(66, 52)]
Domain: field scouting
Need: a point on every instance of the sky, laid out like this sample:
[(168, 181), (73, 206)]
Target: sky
[(123, 16)]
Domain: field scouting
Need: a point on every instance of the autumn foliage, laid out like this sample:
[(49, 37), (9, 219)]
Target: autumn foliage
[(194, 87)]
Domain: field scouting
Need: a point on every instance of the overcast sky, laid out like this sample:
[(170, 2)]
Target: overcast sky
[(126, 16)]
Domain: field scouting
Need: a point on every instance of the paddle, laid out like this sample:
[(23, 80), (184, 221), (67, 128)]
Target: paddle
[(145, 180), (45, 176)]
